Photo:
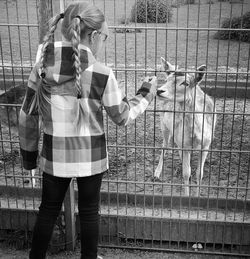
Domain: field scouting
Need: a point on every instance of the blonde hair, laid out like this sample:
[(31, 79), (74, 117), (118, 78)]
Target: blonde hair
[(79, 19)]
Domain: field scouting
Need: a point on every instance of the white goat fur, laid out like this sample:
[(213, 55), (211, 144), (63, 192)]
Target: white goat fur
[(192, 130)]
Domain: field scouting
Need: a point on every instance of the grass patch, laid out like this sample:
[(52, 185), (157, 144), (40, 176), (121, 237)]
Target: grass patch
[(181, 43)]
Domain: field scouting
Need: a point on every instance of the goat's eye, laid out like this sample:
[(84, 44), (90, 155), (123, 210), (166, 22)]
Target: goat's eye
[(185, 83)]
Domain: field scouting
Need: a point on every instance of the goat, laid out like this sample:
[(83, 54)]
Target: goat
[(188, 121)]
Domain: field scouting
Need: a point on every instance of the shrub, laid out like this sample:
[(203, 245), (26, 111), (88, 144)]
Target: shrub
[(153, 9), (235, 23)]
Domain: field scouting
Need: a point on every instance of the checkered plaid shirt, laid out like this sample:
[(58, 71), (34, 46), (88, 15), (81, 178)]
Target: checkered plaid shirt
[(68, 151)]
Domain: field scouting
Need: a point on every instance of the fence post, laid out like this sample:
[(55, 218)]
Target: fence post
[(48, 8)]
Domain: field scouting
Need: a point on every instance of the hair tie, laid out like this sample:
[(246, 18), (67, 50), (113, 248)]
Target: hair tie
[(42, 75), (61, 15), (79, 17)]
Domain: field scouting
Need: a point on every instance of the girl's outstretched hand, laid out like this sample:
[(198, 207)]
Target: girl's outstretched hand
[(153, 81)]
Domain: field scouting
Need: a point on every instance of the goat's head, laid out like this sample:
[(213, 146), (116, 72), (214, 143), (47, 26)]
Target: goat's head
[(178, 85)]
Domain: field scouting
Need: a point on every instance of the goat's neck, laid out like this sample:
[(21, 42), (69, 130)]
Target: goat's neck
[(190, 102)]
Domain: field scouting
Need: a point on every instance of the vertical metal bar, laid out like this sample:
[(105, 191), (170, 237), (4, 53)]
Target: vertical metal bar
[(107, 132), (193, 118), (105, 50), (233, 121), (28, 28), (154, 135), (11, 60), (1, 133), (56, 9), (245, 201), (22, 72), (226, 80), (244, 107), (37, 15), (183, 114), (10, 42), (7, 108), (204, 104), (220, 147), (19, 38), (174, 119), (135, 178), (211, 146), (164, 149), (186, 67), (244, 115), (145, 129), (116, 132), (101, 240), (154, 113), (126, 129)]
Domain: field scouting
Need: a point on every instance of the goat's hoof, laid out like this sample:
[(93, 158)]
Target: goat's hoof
[(156, 179)]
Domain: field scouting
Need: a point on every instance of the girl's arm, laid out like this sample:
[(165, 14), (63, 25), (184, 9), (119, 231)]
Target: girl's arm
[(29, 132), (121, 110)]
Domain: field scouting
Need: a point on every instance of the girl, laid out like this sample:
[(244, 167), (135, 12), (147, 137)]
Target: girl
[(67, 90)]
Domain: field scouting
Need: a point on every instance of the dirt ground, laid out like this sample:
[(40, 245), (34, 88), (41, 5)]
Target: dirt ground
[(10, 253)]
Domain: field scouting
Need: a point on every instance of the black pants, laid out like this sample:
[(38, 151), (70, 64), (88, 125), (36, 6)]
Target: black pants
[(53, 192)]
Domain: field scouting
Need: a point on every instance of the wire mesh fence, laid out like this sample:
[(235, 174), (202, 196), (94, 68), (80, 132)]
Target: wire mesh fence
[(138, 210)]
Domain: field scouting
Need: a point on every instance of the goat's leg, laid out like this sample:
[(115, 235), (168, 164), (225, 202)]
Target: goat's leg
[(186, 170), (159, 167), (200, 169)]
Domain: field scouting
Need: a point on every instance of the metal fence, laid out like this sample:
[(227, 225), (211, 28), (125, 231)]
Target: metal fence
[(137, 210)]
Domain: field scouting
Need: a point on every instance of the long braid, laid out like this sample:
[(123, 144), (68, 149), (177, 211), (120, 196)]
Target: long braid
[(75, 39), (41, 97), (47, 38), (76, 54)]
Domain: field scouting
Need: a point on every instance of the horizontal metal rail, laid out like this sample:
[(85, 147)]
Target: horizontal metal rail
[(136, 69), (19, 25), (142, 27), (182, 148), (177, 28), (163, 148), (176, 184)]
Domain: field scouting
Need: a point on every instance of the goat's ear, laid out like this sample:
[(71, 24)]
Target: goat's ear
[(167, 67), (200, 73)]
